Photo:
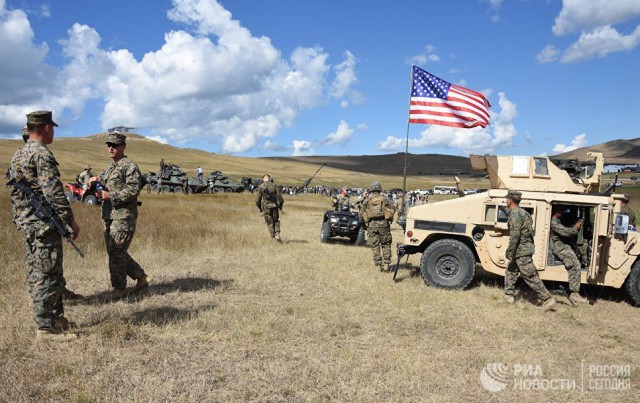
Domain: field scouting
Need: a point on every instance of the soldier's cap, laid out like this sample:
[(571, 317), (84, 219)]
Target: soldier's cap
[(116, 139), (87, 167), (626, 198), (45, 117), (514, 195)]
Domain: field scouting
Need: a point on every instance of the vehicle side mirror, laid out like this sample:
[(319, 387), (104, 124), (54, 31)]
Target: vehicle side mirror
[(622, 224)]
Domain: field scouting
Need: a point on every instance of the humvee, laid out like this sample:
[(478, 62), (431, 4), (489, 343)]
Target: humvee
[(455, 236)]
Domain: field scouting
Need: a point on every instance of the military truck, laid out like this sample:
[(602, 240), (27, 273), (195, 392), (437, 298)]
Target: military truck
[(457, 235)]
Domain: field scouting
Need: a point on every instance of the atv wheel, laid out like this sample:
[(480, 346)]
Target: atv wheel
[(632, 285), (361, 239), (91, 200), (325, 232), (448, 263)]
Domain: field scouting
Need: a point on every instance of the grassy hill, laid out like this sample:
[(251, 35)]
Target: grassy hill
[(74, 152), (616, 152)]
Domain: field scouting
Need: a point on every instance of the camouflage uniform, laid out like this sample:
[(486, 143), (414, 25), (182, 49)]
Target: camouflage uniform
[(341, 200), (561, 250), (84, 179), (269, 200), (632, 216), (519, 252), (378, 232), (43, 245), (119, 213)]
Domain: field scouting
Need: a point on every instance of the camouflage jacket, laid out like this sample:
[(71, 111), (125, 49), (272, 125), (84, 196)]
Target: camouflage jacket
[(84, 177), (122, 180), (520, 234), (269, 196), (339, 201), (561, 235), (37, 164), (632, 216), (365, 206)]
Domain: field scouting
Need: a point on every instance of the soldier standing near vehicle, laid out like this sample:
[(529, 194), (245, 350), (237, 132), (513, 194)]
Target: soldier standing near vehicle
[(269, 201), (561, 239), (120, 213), (341, 199), (519, 252), (377, 213), (625, 209), (85, 178), (44, 261)]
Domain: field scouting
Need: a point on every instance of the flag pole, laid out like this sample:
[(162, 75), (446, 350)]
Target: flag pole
[(406, 151)]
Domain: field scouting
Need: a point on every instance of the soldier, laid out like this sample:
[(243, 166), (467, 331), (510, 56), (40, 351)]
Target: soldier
[(85, 178), (35, 162), (625, 209), (519, 252), (268, 201), (200, 174), (561, 238), (374, 213), (119, 213), (341, 200)]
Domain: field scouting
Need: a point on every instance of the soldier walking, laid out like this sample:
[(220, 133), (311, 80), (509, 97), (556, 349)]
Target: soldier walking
[(519, 252), (561, 239), (120, 213), (269, 201), (44, 262), (377, 213)]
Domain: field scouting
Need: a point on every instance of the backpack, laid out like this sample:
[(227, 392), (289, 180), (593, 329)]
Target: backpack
[(375, 207), (270, 194)]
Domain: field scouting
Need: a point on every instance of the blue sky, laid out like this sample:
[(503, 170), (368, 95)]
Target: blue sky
[(287, 77)]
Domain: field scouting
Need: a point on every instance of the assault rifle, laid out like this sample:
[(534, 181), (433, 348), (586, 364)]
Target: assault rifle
[(43, 210)]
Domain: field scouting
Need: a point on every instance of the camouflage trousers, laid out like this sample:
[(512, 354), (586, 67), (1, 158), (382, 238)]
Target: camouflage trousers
[(45, 276), (571, 263), (523, 266), (379, 240), (582, 253), (272, 218), (118, 235)]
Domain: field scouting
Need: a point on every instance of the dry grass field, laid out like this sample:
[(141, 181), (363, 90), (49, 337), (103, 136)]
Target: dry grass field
[(232, 316)]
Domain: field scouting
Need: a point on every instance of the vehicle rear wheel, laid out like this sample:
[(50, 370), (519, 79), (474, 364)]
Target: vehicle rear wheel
[(325, 232), (448, 263), (361, 239), (91, 200), (632, 284)]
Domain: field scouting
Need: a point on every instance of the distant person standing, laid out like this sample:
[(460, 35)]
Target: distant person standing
[(35, 163), (85, 178), (625, 209), (377, 213), (200, 174), (269, 201), (120, 212), (519, 252)]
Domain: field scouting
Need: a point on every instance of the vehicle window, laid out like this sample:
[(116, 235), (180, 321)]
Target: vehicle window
[(520, 166), (503, 214), (541, 167), (490, 213)]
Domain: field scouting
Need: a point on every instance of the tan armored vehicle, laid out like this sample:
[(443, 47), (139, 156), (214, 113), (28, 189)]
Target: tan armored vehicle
[(454, 236)]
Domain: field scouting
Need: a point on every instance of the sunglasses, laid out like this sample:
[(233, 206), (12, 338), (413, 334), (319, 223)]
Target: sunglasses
[(110, 145)]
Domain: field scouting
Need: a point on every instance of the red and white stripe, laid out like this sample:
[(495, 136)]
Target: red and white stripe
[(462, 108)]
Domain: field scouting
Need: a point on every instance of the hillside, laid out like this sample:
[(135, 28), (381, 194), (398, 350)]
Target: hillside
[(74, 152), (391, 164), (616, 152)]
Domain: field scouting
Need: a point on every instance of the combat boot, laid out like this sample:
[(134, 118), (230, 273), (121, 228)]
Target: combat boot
[(142, 283), (380, 267), (118, 293), (50, 334), (277, 237), (548, 305), (62, 324), (69, 295), (385, 268), (577, 298), (510, 299)]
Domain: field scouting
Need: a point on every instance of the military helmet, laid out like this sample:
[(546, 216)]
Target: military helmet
[(376, 187)]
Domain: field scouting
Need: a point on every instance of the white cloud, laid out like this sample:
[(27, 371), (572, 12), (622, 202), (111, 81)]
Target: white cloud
[(477, 140), (214, 79), (274, 146), (159, 139), (362, 126), (427, 56), (302, 148), (344, 103), (342, 135), (594, 19), (577, 142)]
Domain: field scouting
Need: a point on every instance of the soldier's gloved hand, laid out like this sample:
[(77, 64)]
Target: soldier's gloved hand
[(578, 225), (75, 229)]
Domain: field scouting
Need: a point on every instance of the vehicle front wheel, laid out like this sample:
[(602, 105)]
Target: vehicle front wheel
[(91, 200), (632, 284), (325, 232), (448, 263)]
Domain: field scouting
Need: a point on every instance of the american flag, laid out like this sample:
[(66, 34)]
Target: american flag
[(438, 102)]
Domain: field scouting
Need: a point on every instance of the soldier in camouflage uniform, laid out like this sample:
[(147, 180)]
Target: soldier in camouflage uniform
[(519, 252), (561, 239), (625, 209), (269, 201), (341, 200), (120, 212), (35, 162), (378, 227), (85, 178)]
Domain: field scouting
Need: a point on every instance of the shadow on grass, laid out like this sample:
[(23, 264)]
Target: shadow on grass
[(189, 284), (300, 241), (166, 315)]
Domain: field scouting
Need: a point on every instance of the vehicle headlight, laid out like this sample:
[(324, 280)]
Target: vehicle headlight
[(334, 220), (354, 222)]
